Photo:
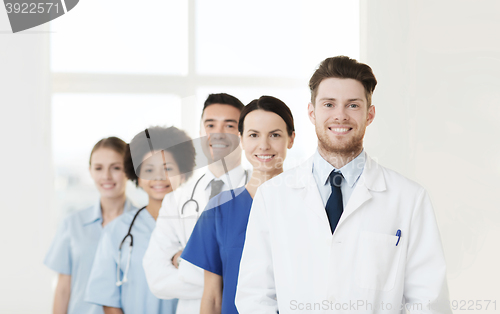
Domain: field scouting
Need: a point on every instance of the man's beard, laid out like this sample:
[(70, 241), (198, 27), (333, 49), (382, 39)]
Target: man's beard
[(349, 148)]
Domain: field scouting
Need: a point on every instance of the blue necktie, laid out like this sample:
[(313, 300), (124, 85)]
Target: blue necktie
[(334, 206)]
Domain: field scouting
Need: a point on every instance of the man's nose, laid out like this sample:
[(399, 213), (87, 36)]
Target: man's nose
[(218, 128), (340, 114), (217, 135)]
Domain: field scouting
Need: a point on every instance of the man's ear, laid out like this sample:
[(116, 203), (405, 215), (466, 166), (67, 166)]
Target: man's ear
[(311, 114), (371, 115)]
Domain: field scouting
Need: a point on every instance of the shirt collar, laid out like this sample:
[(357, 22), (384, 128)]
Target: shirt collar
[(351, 172), (96, 213), (235, 175)]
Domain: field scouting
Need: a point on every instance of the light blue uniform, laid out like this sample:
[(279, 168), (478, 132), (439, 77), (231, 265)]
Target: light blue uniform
[(72, 253), (134, 295)]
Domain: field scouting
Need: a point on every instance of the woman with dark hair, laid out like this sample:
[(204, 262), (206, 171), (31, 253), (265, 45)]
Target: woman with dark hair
[(159, 160), (216, 244), (74, 246)]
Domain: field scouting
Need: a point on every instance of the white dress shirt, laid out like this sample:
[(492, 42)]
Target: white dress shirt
[(351, 173), (230, 179)]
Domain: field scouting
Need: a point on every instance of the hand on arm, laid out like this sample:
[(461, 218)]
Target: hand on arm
[(175, 259), (211, 302), (62, 294)]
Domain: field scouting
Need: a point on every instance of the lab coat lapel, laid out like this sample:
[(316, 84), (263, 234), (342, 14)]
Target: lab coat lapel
[(359, 196), (372, 179), (305, 183), (314, 203)]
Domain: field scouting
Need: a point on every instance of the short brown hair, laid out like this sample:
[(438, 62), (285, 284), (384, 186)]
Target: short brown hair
[(113, 143), (223, 99), (343, 67)]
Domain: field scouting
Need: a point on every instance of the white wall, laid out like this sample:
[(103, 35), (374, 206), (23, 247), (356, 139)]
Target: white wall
[(26, 186), (438, 114)]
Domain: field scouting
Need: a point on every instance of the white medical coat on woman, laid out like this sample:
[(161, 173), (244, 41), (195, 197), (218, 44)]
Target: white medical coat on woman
[(291, 262)]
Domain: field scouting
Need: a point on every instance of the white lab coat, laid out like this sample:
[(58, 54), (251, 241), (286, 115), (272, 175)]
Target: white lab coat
[(292, 262), (170, 235)]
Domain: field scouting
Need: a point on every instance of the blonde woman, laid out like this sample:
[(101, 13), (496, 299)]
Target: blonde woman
[(74, 246)]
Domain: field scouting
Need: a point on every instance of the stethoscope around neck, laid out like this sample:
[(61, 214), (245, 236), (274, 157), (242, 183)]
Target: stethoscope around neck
[(191, 200), (129, 235)]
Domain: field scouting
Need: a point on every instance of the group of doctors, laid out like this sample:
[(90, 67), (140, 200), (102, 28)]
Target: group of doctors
[(337, 230)]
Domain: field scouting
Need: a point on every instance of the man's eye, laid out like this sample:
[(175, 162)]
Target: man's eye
[(210, 126), (353, 105), (98, 169), (328, 105), (230, 126)]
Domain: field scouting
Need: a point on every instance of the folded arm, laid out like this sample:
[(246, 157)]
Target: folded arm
[(163, 277)]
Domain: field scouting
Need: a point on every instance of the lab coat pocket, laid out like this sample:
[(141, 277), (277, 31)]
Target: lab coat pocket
[(378, 260)]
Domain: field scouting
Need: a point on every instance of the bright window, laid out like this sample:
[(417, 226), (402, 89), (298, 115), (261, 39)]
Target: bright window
[(122, 36), (120, 66)]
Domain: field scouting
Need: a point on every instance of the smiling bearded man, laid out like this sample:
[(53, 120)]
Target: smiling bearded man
[(341, 232)]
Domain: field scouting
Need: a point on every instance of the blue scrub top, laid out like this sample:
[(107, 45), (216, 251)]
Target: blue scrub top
[(134, 295), (72, 253), (216, 243)]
